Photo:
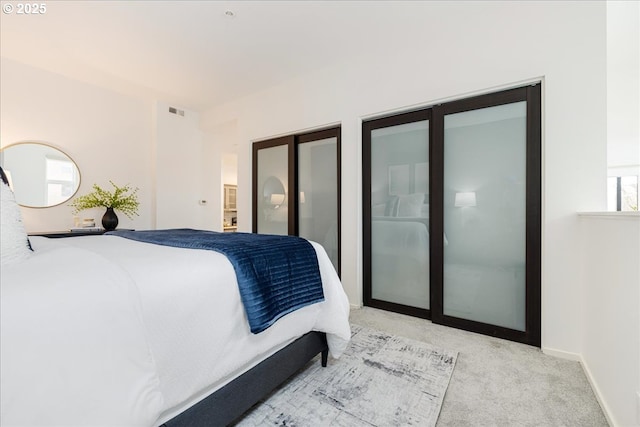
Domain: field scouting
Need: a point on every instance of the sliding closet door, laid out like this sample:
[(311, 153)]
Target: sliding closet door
[(296, 188), (491, 209), (271, 186), (452, 213), (396, 213), (318, 195)]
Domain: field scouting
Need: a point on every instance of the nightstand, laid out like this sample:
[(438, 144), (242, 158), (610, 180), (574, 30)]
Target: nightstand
[(59, 234)]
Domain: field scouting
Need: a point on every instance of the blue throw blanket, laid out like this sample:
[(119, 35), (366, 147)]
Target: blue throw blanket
[(276, 274)]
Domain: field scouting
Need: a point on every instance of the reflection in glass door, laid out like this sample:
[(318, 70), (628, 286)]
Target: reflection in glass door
[(485, 215), (296, 188), (397, 256), (318, 191), (271, 183), (452, 213), (489, 215)]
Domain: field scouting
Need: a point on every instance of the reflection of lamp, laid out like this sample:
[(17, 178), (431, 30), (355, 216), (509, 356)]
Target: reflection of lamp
[(276, 200), (465, 199)]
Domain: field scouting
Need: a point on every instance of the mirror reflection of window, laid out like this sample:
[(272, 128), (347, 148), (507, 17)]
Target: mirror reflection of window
[(61, 178)]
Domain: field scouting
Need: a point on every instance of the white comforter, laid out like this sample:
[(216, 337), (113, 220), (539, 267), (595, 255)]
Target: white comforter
[(101, 330)]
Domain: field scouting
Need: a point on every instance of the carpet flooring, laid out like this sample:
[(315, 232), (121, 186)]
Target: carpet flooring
[(380, 380), (498, 382)]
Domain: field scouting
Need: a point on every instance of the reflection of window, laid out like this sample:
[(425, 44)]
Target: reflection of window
[(398, 180), (622, 193), (60, 180), (421, 176)]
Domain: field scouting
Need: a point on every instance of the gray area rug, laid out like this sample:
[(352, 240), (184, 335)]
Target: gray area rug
[(380, 380)]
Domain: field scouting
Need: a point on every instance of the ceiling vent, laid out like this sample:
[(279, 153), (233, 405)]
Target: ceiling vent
[(174, 110)]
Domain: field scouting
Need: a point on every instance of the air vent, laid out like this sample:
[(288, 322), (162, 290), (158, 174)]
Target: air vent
[(174, 110)]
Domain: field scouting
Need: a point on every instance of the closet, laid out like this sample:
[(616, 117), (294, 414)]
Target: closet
[(296, 188), (451, 213)]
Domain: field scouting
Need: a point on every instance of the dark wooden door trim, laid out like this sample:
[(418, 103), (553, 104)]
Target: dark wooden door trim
[(292, 142), (532, 95), (257, 146), (334, 132), (367, 127)]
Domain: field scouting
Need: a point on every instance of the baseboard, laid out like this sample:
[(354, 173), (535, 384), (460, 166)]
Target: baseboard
[(594, 386), (355, 306), (576, 357), (562, 354)]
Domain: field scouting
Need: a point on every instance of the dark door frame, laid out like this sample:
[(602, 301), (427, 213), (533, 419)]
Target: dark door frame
[(333, 132), (532, 95), (292, 142), (367, 128), (533, 230), (260, 145)]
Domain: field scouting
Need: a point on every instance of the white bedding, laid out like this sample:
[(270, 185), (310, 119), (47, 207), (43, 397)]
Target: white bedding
[(180, 320)]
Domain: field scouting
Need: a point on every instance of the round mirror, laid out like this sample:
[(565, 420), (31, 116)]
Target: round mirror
[(41, 175)]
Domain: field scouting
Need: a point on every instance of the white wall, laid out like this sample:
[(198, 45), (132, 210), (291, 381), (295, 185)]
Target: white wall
[(544, 40), (623, 87), (611, 312), (230, 169), (183, 169), (107, 134), (115, 137)]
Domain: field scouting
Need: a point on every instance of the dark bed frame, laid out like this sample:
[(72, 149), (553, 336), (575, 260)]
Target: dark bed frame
[(226, 405)]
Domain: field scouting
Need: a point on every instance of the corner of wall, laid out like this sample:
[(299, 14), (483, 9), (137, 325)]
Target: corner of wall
[(577, 357), (606, 410), (154, 166)]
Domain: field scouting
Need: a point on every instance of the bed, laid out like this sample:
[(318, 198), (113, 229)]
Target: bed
[(400, 260), (400, 249), (103, 330)]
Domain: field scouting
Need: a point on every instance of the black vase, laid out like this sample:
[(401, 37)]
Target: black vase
[(109, 220)]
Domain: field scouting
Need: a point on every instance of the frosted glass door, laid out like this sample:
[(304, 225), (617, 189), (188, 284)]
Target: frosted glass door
[(400, 214), (272, 186), (485, 158), (318, 194)]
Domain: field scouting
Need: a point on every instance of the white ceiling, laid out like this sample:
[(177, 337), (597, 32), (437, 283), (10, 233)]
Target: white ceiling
[(192, 54)]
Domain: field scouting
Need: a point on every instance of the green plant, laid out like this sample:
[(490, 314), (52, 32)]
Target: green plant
[(118, 200)]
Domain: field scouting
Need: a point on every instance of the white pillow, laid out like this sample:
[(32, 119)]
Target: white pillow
[(410, 205), (15, 243)]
